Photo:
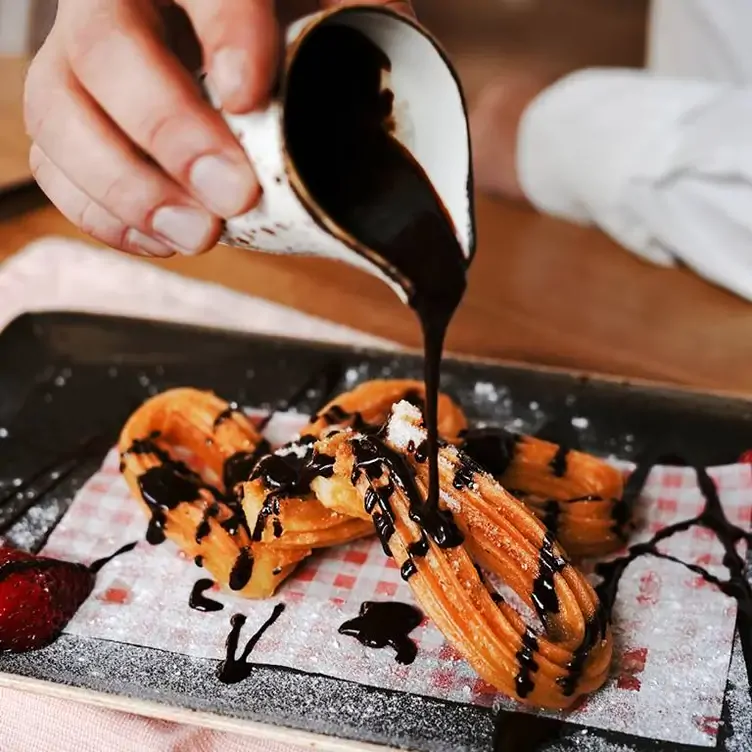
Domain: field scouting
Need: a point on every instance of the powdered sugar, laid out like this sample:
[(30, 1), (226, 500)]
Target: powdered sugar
[(673, 634)]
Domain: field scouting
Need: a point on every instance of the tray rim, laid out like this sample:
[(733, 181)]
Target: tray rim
[(662, 388), (197, 718)]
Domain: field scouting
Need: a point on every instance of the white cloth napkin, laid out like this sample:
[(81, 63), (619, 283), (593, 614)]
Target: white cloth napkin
[(61, 274)]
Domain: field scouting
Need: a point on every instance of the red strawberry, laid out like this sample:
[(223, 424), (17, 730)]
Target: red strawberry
[(38, 597), (746, 457)]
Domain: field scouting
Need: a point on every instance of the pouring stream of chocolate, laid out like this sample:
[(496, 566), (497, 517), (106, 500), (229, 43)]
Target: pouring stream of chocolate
[(373, 188)]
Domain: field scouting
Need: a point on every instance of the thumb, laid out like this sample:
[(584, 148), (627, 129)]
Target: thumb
[(241, 46)]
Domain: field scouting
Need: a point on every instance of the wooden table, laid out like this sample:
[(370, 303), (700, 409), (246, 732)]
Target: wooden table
[(541, 291), (14, 165)]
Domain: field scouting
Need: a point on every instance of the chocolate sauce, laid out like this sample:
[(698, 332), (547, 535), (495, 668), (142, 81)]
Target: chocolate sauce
[(559, 462), (99, 563), (233, 669), (373, 188), (204, 527), (420, 546), (421, 452), (595, 630), (544, 597), (203, 530), (386, 624), (242, 569), (492, 448), (464, 477), (711, 517), (198, 601), (551, 514), (372, 457), (226, 414), (288, 473), (525, 656), (164, 486), (335, 415), (239, 467), (408, 569)]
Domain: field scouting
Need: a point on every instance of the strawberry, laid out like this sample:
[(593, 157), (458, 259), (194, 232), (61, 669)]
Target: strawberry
[(746, 457), (38, 597)]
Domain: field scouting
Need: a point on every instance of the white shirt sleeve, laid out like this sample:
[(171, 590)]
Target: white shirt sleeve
[(663, 165)]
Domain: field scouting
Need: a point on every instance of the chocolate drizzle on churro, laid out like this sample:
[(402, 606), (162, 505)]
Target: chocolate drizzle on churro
[(595, 630), (239, 467), (386, 624), (162, 488), (559, 462), (550, 564), (242, 569), (165, 486), (204, 527), (226, 414), (373, 457), (288, 473), (408, 569), (493, 449), (336, 415), (525, 656)]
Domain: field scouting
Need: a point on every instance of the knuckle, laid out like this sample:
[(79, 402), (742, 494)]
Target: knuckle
[(134, 196), (175, 134), (160, 129), (93, 220)]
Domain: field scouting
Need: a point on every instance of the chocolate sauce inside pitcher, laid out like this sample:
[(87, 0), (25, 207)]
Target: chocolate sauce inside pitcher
[(338, 133)]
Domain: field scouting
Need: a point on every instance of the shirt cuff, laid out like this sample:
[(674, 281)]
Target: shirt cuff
[(589, 144)]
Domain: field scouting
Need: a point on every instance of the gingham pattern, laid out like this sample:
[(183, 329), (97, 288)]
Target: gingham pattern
[(673, 631)]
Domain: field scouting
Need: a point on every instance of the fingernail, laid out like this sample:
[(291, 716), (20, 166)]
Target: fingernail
[(146, 245), (224, 187), (186, 230), (228, 72)]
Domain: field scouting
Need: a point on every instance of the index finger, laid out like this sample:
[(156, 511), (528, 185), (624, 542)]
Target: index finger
[(121, 61)]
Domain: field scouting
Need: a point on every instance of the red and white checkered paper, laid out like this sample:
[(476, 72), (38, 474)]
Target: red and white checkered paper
[(673, 632)]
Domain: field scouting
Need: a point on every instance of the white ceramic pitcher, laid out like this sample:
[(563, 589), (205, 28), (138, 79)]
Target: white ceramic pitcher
[(430, 119)]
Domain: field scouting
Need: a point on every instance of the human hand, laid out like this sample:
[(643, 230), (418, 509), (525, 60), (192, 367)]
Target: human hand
[(123, 142)]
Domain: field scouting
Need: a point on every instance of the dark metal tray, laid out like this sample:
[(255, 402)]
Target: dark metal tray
[(68, 382)]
